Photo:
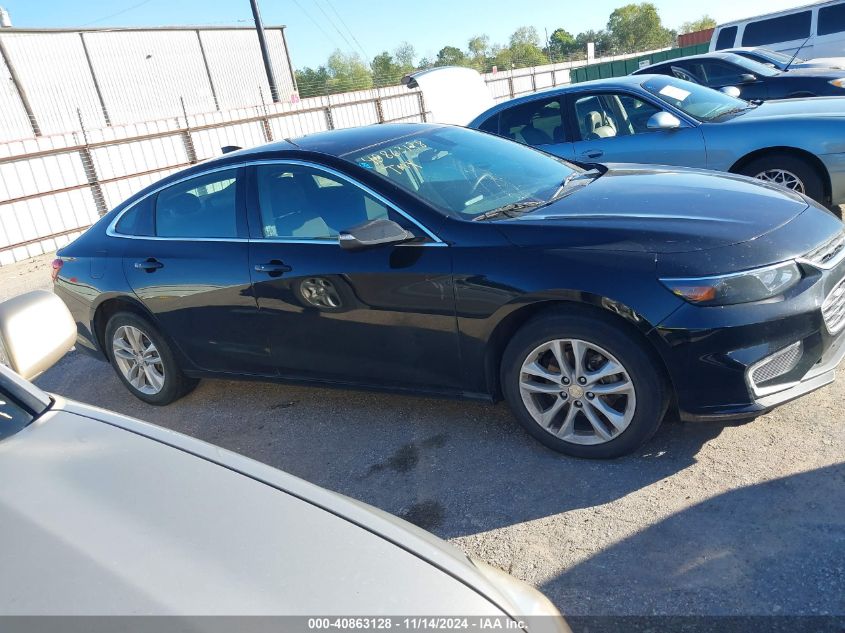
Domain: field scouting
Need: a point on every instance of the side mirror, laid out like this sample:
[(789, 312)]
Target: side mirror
[(747, 78), (731, 91), (663, 121), (373, 233), (36, 330)]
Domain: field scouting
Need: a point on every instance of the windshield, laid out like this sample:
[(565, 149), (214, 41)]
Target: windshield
[(753, 66), (13, 417), (464, 173), (699, 102)]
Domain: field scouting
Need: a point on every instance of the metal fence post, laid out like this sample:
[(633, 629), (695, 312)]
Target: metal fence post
[(327, 111), (187, 140), (379, 107), (510, 85), (421, 99), (90, 170), (265, 122)]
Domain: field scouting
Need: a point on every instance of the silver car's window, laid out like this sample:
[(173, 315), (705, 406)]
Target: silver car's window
[(13, 417), (464, 173), (699, 102)]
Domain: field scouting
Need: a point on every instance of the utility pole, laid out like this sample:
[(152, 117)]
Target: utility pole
[(265, 53)]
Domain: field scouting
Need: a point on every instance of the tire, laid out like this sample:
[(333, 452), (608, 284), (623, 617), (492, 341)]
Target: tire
[(811, 180), (644, 403), (126, 333)]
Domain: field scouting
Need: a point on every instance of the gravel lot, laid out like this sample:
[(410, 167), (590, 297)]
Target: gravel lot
[(707, 519)]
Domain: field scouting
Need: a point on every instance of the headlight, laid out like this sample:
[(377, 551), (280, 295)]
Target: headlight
[(751, 285), (533, 608), (839, 83)]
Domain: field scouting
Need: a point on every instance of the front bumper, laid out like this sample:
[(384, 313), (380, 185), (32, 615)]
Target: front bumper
[(715, 350)]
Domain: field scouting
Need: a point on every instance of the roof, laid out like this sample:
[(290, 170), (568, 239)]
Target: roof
[(340, 142), (714, 55), (106, 29)]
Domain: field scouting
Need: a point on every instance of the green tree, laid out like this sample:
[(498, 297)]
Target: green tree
[(479, 49), (562, 44), (525, 48), (637, 27), (450, 56), (702, 23), (405, 54), (312, 82), (347, 71), (386, 72), (602, 40)]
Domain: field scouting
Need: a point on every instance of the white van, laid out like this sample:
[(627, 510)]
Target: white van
[(818, 30)]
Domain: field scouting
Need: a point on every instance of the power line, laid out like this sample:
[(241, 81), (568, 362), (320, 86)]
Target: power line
[(346, 26), (121, 12), (330, 21), (317, 24)]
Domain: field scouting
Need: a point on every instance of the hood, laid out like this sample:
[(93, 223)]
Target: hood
[(806, 107), (836, 63), (109, 515), (650, 208), (820, 73)]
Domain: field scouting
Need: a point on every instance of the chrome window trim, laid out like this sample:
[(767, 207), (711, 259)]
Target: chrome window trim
[(110, 230)]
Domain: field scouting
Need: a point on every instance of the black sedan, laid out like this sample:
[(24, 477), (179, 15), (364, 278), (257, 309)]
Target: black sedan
[(755, 81), (445, 260)]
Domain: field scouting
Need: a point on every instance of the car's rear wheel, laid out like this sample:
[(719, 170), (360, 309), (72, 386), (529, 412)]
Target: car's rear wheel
[(144, 361), (791, 172), (583, 386)]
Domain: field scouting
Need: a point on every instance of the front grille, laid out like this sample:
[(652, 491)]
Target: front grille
[(833, 308), (777, 364), (826, 254)]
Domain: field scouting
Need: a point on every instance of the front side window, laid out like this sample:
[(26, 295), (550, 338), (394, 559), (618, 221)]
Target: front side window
[(727, 37), (712, 73), (832, 19), (613, 114), (537, 122), (305, 203), (202, 207), (465, 173), (784, 28)]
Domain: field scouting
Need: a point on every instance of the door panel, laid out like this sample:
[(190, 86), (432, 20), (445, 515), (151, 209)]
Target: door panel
[(382, 316), (191, 270), (613, 128)]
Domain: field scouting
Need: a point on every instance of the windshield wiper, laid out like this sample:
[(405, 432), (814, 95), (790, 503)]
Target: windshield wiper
[(590, 174), (508, 210)]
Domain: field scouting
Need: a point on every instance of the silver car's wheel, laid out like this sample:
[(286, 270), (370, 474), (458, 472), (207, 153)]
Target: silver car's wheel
[(783, 178), (138, 359), (577, 391)]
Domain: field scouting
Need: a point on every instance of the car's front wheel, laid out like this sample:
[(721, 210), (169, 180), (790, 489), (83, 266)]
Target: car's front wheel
[(791, 172), (583, 385), (144, 361)]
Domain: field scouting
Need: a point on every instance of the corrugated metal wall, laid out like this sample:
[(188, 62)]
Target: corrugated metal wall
[(127, 76)]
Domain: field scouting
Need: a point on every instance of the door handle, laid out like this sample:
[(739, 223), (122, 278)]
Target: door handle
[(592, 153), (274, 268), (150, 265)]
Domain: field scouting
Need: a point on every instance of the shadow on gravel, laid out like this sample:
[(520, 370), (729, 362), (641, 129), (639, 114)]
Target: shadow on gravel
[(775, 549), (452, 467)]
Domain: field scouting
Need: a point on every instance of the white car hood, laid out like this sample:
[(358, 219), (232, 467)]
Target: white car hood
[(102, 514)]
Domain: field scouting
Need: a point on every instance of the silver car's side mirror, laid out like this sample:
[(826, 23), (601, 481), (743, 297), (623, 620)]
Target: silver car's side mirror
[(731, 91), (373, 233), (663, 121), (36, 330)]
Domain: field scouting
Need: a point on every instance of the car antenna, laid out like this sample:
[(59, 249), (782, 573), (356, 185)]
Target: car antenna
[(797, 50)]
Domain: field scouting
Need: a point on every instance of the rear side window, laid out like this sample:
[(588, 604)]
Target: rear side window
[(202, 207), (138, 220), (785, 28), (490, 125), (537, 122), (832, 19), (727, 37)]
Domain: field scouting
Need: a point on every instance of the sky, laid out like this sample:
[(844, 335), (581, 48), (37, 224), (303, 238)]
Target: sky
[(317, 27)]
